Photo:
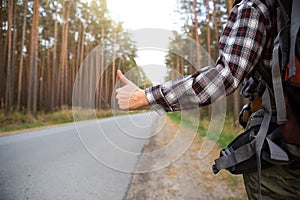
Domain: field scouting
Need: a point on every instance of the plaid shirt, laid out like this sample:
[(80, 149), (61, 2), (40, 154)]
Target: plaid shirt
[(247, 37)]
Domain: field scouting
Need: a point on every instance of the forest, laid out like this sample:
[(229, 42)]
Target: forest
[(45, 42)]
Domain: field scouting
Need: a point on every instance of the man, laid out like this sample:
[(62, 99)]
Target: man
[(246, 41)]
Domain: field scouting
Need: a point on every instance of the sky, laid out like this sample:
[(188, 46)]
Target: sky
[(141, 14), (138, 14)]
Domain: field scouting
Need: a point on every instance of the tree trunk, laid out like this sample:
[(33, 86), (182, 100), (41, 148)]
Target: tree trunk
[(77, 61), (106, 85), (208, 31), (230, 4), (89, 81), (115, 32), (33, 83), (73, 70), (198, 59), (181, 57), (13, 56), (208, 45), (81, 61), (198, 56), (87, 73), (61, 72), (4, 66), (25, 88), (21, 56), (98, 71), (1, 33), (102, 68), (92, 75), (36, 52), (9, 89), (3, 53), (236, 94), (48, 88), (236, 107), (54, 79), (216, 31), (41, 81), (191, 68), (66, 57)]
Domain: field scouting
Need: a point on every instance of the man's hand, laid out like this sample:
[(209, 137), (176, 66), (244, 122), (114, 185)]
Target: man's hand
[(130, 96)]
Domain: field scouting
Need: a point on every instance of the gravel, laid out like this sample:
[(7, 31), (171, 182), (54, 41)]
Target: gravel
[(189, 177)]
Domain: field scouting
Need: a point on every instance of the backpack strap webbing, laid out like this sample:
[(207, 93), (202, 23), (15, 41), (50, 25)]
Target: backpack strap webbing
[(231, 158), (285, 9), (295, 23), (276, 69), (262, 133), (277, 83)]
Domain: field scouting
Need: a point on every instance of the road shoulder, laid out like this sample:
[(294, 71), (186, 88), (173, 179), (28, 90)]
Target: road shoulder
[(187, 178)]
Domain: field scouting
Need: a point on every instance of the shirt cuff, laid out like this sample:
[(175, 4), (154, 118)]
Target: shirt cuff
[(157, 100)]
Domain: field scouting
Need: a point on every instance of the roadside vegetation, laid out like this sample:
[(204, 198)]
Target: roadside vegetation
[(228, 134), (46, 44), (21, 120)]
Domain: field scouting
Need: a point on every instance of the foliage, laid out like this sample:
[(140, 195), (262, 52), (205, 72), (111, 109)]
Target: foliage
[(202, 22), (227, 135), (68, 31)]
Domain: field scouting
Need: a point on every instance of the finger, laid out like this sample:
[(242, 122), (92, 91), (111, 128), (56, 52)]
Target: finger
[(122, 77), (123, 102), (120, 96), (123, 105), (120, 90)]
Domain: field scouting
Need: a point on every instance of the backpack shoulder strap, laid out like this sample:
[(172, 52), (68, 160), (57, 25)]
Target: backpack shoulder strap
[(277, 83), (285, 10), (295, 24), (276, 69)]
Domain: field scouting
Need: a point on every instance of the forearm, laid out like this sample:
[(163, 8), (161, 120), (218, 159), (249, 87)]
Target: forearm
[(193, 91), (240, 48)]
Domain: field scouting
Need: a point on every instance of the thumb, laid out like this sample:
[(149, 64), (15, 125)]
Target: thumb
[(122, 77)]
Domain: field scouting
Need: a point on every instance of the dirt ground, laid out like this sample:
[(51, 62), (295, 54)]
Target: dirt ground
[(189, 177)]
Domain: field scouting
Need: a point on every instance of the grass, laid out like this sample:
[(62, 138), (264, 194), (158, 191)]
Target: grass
[(234, 179), (229, 132), (19, 121)]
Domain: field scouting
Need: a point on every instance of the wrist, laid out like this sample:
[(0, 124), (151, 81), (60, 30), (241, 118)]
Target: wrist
[(142, 98)]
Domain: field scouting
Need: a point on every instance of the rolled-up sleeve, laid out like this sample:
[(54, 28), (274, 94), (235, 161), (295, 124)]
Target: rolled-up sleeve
[(240, 47)]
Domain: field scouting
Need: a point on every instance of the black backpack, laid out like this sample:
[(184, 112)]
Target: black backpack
[(273, 136)]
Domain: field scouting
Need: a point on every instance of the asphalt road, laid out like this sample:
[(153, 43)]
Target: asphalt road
[(90, 160)]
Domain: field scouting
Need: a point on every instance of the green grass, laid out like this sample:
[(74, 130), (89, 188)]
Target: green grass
[(20, 120), (9, 128), (228, 134)]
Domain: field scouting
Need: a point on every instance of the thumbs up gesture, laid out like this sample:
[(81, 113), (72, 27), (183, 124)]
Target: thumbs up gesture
[(130, 96)]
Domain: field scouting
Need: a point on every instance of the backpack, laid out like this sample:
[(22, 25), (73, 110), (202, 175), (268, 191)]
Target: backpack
[(272, 136)]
